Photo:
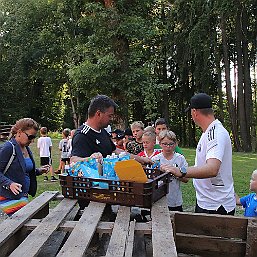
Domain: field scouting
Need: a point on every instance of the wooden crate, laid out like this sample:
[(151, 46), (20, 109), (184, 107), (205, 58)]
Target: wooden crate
[(36, 230), (215, 235)]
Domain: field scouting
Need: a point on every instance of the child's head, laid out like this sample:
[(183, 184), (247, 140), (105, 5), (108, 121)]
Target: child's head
[(168, 141), (253, 182), (160, 125), (137, 128), (128, 135), (65, 133), (148, 139), (43, 131), (150, 129)]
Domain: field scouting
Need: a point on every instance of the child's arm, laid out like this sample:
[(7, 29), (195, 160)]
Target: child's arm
[(237, 199)]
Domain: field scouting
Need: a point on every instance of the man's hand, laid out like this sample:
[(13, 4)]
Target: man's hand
[(171, 169), (97, 156)]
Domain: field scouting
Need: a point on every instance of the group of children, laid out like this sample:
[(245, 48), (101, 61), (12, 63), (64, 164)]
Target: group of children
[(44, 144), (159, 143)]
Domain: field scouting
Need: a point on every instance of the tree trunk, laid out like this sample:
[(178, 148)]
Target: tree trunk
[(247, 82), (231, 108), (240, 86), (75, 115)]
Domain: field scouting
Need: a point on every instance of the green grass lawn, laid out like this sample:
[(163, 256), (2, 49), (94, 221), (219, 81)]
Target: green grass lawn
[(243, 165)]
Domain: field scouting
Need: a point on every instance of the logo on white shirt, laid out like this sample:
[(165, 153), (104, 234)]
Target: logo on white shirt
[(97, 141)]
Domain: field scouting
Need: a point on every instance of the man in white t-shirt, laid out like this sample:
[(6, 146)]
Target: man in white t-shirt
[(212, 173)]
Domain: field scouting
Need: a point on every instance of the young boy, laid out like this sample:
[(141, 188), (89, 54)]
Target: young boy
[(44, 144), (64, 148), (136, 146), (168, 156), (161, 125), (249, 202), (148, 140)]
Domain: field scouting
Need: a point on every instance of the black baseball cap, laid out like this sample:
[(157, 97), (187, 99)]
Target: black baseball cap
[(200, 101)]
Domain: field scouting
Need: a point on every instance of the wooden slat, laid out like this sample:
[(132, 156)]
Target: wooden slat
[(130, 240), (37, 238), (56, 240), (102, 227), (11, 225), (83, 232), (251, 243), (162, 233), (119, 236), (211, 225), (209, 246)]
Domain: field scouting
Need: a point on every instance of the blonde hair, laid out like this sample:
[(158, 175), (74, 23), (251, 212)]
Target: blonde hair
[(137, 124), (23, 124), (150, 134), (254, 173), (169, 134), (149, 129)]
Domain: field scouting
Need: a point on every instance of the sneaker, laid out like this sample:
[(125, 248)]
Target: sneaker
[(57, 172), (53, 179), (45, 178)]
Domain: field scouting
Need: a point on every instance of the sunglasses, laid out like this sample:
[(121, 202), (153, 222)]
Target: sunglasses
[(30, 137), (168, 145)]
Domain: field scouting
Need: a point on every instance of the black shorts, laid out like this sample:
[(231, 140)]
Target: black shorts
[(45, 161), (65, 160)]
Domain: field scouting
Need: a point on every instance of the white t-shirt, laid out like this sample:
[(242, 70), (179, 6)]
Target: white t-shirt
[(64, 148), (44, 144), (211, 193), (174, 197)]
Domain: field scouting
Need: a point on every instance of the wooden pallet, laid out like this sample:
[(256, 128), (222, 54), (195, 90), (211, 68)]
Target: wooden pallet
[(28, 232), (36, 230)]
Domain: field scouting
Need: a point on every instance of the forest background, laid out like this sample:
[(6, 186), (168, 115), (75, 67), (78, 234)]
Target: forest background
[(150, 56)]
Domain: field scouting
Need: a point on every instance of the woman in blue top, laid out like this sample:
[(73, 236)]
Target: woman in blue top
[(19, 179)]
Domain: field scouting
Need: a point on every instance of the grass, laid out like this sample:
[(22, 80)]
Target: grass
[(243, 166)]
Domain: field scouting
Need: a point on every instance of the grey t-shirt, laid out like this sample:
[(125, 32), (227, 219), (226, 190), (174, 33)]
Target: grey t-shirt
[(174, 197)]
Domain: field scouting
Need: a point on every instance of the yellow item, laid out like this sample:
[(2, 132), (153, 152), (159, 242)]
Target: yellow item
[(130, 170)]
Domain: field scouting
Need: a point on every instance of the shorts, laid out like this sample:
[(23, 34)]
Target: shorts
[(65, 160), (45, 161)]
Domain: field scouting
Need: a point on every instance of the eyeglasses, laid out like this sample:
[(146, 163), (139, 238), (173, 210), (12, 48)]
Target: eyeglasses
[(168, 144), (30, 137)]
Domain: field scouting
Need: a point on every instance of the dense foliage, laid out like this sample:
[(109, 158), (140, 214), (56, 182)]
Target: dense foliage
[(150, 56)]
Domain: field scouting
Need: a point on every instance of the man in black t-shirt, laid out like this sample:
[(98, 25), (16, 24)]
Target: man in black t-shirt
[(91, 139)]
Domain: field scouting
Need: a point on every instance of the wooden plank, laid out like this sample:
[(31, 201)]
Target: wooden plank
[(56, 240), (209, 246), (10, 226), (211, 225), (83, 232), (130, 240), (251, 243), (102, 227), (162, 232), (32, 245), (119, 236)]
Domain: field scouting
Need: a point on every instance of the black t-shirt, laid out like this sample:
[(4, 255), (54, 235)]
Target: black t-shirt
[(87, 141)]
